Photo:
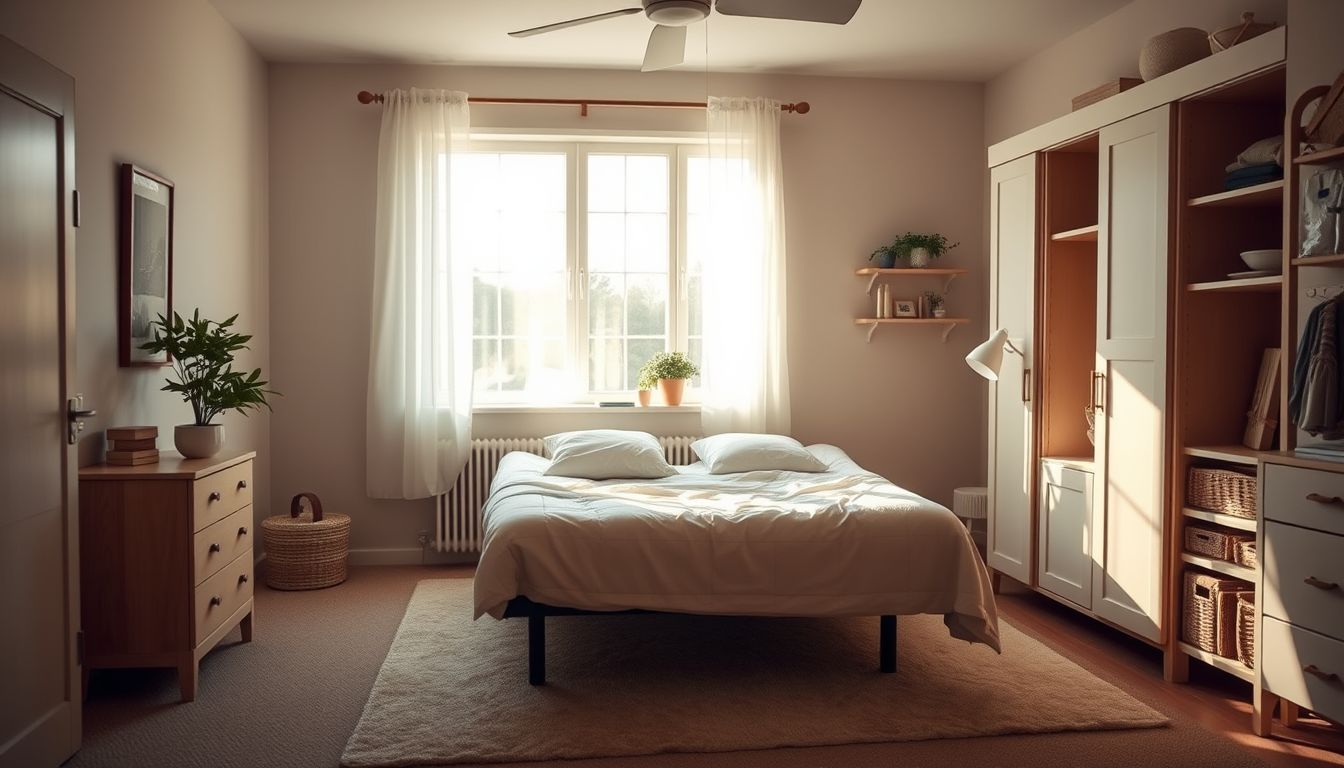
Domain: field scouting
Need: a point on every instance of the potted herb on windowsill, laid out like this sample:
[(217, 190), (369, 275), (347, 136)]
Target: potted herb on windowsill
[(202, 353), (646, 384), (918, 248), (670, 370)]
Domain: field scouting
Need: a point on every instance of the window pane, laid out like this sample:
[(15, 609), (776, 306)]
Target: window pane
[(695, 349), (533, 241), (646, 183), (646, 238), (640, 352), (532, 305), (697, 241), (475, 180), (606, 294), (476, 237), (533, 182), (697, 185), (513, 364), (695, 313), (485, 358), (606, 363), (606, 242), (606, 183), (485, 305), (646, 305)]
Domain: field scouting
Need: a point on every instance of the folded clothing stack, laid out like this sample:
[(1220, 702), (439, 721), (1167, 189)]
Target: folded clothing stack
[(1259, 163)]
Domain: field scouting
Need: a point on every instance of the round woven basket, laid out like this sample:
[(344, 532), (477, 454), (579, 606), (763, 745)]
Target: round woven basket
[(1172, 50), (306, 550)]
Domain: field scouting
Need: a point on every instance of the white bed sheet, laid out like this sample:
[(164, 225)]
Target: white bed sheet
[(844, 542)]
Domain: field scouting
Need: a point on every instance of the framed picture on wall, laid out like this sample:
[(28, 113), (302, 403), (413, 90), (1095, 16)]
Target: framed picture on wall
[(906, 308), (145, 286)]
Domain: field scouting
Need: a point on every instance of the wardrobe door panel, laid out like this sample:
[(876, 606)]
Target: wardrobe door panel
[(1064, 549)]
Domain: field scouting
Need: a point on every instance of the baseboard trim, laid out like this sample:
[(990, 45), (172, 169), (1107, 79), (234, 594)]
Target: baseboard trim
[(409, 556)]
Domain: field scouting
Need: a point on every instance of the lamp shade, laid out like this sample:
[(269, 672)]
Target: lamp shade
[(988, 357)]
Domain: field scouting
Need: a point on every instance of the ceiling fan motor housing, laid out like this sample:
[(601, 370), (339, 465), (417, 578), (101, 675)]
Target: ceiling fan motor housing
[(676, 13)]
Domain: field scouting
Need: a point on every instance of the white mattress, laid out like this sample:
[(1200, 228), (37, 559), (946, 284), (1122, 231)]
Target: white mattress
[(844, 542)]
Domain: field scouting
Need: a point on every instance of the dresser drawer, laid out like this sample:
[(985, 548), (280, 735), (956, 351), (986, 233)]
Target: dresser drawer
[(219, 495), (1306, 497), (1288, 653), (219, 544), (220, 595), (1300, 568)]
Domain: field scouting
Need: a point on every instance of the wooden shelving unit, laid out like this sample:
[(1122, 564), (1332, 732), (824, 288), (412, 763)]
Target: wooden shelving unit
[(1080, 235), (1220, 566), (1219, 518), (1233, 454), (1324, 157), (948, 274), (1230, 666), (1326, 260), (1269, 194), (947, 323), (1266, 284)]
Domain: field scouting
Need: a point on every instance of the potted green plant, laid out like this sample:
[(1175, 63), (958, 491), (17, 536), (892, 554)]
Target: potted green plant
[(670, 370), (646, 385), (935, 302), (886, 257), (918, 248), (201, 352)]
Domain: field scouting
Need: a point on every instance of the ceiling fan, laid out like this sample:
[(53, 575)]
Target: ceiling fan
[(667, 44)]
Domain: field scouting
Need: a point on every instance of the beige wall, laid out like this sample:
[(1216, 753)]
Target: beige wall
[(168, 85), (872, 159), (1042, 87)]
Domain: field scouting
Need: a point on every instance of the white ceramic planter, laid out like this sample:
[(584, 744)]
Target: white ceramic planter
[(940, 312), (197, 442), (919, 257)]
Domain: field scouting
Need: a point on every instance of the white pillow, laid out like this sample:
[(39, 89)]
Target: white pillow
[(741, 452), (603, 454)]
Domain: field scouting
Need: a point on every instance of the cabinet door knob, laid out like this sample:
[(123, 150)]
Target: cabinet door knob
[(242, 530), (1317, 583), (214, 496), (1313, 670), (214, 547), (242, 484), (214, 601), (1323, 499), (242, 579)]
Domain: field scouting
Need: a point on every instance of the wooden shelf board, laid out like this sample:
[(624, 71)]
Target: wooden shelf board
[(1230, 666), (1229, 521), (1237, 454), (948, 323), (1266, 284), (1220, 566), (1080, 235), (911, 271), (1269, 193), (1327, 260), (1334, 155)]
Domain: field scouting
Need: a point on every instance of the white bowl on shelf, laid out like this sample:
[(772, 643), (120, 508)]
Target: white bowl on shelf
[(1269, 260)]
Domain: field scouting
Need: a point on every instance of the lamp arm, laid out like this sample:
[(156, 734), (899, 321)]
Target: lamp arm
[(1011, 346)]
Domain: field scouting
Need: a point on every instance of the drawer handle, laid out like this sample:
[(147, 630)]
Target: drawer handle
[(214, 496), (242, 579), (1329, 677), (242, 530), (1323, 499), (242, 484), (1317, 583), (214, 547), (214, 601)]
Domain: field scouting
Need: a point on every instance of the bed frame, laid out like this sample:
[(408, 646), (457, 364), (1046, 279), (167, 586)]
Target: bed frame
[(536, 614)]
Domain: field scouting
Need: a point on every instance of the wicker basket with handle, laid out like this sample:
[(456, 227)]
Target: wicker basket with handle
[(306, 550), (1221, 490), (1209, 620), (1244, 553), (1246, 629), (1213, 542)]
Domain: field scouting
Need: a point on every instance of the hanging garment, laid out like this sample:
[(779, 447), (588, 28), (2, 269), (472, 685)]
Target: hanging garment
[(1321, 204), (1314, 405)]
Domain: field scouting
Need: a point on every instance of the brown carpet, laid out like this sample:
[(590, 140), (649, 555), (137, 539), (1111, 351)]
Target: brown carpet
[(642, 685), (292, 698)]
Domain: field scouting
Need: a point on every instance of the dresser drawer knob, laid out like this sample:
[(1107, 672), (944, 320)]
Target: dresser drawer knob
[(242, 579), (214, 496), (1313, 670), (1317, 583), (242, 484), (242, 530), (1323, 499), (215, 601), (214, 547)]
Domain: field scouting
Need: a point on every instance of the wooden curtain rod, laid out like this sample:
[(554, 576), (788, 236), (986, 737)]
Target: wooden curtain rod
[(801, 108)]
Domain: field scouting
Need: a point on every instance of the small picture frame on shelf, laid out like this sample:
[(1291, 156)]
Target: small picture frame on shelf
[(906, 308)]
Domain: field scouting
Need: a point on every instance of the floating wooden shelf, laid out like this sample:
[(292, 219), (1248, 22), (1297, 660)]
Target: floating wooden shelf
[(873, 273), (1335, 155), (1230, 666), (1220, 566), (1266, 284), (948, 323), (1229, 521), (1080, 235), (1236, 454), (1269, 193), (1326, 260)]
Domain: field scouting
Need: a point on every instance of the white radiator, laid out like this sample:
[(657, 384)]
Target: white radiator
[(458, 514)]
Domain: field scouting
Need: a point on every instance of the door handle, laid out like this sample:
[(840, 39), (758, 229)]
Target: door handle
[(1098, 391), (1026, 385), (1315, 671), (76, 413), (1325, 586), (1322, 499)]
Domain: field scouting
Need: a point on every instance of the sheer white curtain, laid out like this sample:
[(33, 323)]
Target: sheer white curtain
[(420, 368), (745, 370)]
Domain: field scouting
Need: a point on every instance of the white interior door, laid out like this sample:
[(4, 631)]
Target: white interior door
[(1130, 382), (1064, 547), (39, 598), (1012, 259)]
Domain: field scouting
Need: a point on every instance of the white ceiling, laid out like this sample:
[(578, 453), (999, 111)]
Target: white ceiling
[(917, 39)]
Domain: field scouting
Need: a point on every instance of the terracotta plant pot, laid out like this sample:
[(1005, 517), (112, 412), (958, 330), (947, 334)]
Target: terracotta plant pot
[(198, 442), (645, 397), (673, 390)]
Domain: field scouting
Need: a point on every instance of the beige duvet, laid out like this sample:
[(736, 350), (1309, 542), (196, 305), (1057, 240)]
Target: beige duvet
[(844, 542)]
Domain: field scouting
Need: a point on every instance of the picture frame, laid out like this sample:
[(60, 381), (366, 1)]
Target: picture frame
[(145, 280), (906, 308)]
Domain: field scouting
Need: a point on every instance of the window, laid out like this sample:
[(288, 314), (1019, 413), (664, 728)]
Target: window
[(585, 263)]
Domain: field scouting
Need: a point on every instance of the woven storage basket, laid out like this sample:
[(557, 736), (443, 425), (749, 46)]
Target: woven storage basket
[(1210, 611), (1211, 542), (1246, 629), (306, 550), (1221, 490), (1244, 553), (1172, 50)]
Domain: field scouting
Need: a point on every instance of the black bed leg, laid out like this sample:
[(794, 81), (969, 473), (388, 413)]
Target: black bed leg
[(887, 643), (536, 650)]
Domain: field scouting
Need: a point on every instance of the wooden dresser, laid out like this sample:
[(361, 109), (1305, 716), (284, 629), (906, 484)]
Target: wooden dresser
[(1300, 650), (165, 561)]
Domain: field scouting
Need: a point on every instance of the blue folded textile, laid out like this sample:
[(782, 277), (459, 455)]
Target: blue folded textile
[(1256, 171), (1251, 181)]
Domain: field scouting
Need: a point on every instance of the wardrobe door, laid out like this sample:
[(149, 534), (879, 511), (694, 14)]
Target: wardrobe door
[(1130, 381), (1012, 255), (1063, 548)]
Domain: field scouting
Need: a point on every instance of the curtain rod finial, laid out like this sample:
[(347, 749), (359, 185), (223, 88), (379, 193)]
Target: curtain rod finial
[(368, 97), (801, 108)]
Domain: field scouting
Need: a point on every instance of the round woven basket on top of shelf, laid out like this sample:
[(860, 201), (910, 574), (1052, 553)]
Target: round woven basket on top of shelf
[(306, 550)]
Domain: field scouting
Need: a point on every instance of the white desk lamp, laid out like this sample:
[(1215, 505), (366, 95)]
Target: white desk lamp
[(987, 358)]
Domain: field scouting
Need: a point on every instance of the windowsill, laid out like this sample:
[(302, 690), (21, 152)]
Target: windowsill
[(487, 408)]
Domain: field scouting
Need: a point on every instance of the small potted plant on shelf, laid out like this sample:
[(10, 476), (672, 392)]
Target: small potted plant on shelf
[(670, 370), (886, 257), (918, 248), (202, 353), (646, 384), (935, 301)]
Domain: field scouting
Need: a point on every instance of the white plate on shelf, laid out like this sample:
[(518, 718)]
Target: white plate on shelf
[(1250, 274)]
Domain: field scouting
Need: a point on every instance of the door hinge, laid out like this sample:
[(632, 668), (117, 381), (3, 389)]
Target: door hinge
[(74, 207), (79, 647)]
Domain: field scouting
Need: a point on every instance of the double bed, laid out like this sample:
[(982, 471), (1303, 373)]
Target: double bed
[(841, 542)]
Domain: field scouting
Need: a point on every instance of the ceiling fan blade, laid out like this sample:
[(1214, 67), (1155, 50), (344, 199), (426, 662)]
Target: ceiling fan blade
[(825, 11), (574, 22), (667, 48)]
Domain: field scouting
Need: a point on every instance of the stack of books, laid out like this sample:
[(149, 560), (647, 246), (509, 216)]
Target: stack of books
[(129, 446)]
